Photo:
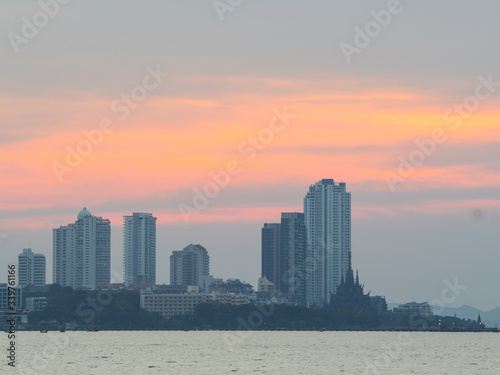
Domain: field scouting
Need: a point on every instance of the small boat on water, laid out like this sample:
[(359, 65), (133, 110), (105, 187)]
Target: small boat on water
[(43, 331)]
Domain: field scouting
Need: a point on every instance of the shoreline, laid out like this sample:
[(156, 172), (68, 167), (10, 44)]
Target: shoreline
[(486, 330)]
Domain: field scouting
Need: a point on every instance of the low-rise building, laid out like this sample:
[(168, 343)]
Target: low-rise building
[(207, 281), (264, 285), (230, 298), (422, 309), (36, 303), (173, 301)]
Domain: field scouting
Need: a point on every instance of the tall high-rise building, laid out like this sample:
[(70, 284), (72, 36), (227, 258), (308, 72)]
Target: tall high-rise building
[(327, 211), (271, 246), (293, 255), (82, 252), (139, 249), (31, 268), (188, 266), (283, 254)]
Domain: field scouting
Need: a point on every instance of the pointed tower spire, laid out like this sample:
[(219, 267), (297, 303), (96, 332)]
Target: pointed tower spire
[(357, 277), (479, 319)]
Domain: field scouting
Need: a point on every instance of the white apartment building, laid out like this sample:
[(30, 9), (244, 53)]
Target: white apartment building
[(327, 215), (82, 252), (31, 268), (188, 266), (139, 249)]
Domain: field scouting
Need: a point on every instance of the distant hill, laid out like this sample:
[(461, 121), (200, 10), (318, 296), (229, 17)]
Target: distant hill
[(490, 318)]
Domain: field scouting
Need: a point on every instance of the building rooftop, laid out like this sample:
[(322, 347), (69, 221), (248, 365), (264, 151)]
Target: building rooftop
[(83, 213)]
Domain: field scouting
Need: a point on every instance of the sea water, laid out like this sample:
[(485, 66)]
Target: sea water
[(255, 352)]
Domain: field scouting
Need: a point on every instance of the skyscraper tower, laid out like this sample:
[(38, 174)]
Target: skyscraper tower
[(82, 252), (139, 249), (189, 265), (327, 213)]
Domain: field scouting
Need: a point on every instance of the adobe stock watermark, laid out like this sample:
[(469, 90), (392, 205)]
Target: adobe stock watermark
[(122, 108), (221, 179), (448, 295), (246, 326), (224, 6), (364, 36), (391, 352), (255, 319), (3, 236), (426, 147), (31, 26)]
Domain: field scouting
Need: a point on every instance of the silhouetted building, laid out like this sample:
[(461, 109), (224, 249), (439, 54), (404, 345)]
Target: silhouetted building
[(327, 213), (379, 303), (31, 268), (189, 265), (271, 253), (349, 296), (82, 252), (293, 255), (139, 249)]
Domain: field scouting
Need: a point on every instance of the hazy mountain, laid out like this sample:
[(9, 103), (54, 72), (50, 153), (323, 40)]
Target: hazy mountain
[(490, 318)]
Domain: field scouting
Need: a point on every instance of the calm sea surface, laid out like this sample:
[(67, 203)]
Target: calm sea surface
[(246, 352)]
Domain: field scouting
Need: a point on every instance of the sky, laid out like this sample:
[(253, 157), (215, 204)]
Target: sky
[(218, 116)]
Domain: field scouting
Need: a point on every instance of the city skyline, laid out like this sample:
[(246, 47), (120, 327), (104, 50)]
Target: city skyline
[(333, 201), (149, 117), (165, 278)]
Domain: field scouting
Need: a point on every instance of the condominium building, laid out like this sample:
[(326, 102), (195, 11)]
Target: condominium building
[(139, 249), (189, 265), (284, 253), (293, 255), (31, 268), (327, 216), (82, 252)]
